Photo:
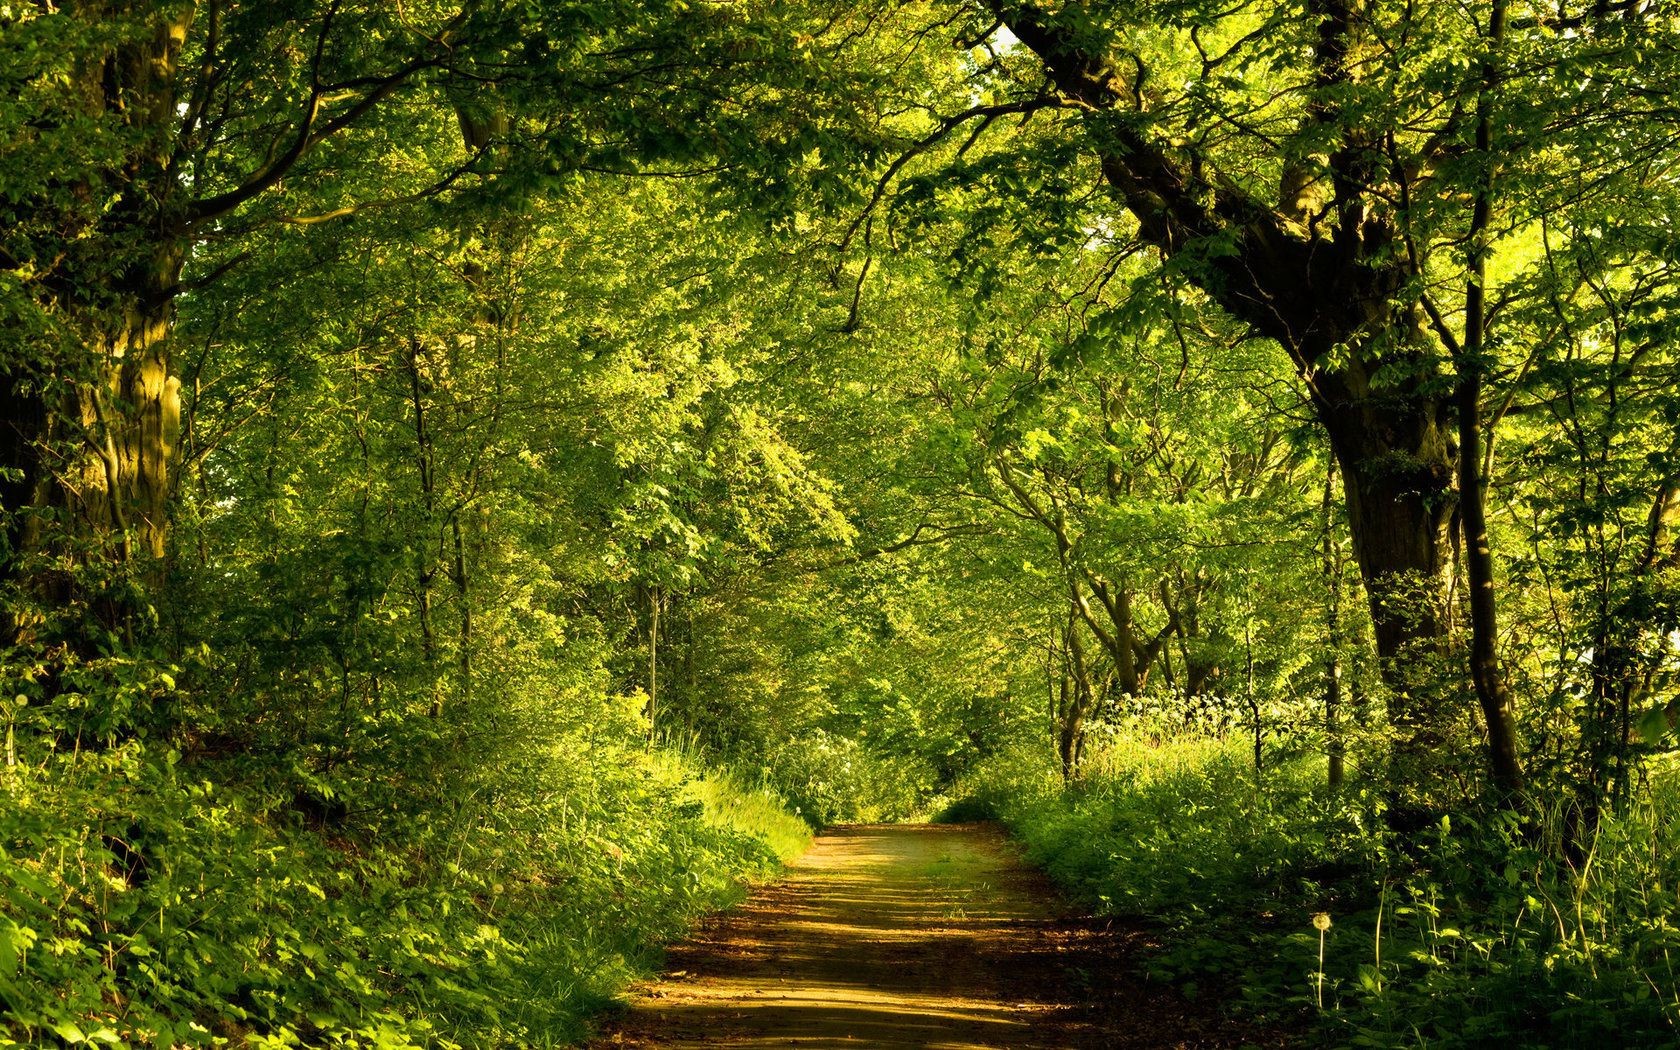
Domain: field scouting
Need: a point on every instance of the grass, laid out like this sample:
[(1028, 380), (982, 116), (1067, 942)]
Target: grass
[(1471, 934), (149, 902), (752, 811)]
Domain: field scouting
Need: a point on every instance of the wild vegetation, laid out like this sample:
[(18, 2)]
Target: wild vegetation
[(480, 480)]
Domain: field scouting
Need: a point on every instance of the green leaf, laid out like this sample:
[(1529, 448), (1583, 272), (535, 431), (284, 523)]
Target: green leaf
[(1654, 725)]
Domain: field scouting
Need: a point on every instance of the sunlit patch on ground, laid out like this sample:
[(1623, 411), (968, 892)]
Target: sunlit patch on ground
[(907, 936)]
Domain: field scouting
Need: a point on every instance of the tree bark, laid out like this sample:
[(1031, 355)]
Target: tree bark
[(1335, 746), (1400, 500), (1078, 705), (92, 418), (1492, 690)]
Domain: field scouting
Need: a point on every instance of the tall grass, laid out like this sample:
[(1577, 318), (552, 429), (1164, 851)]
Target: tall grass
[(1474, 933), (147, 903), (753, 811)]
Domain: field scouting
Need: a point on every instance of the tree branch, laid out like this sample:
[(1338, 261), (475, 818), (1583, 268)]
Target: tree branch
[(309, 131)]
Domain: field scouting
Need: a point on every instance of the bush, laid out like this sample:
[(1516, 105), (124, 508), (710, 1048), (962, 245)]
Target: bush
[(147, 901), (831, 779), (1471, 935), (966, 810)]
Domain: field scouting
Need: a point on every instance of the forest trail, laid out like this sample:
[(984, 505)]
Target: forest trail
[(930, 936)]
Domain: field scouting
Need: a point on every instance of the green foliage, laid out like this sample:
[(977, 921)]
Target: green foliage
[(966, 809), (477, 480), (185, 908), (829, 779), (1470, 934)]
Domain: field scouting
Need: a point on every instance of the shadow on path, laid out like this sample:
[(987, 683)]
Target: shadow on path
[(931, 936)]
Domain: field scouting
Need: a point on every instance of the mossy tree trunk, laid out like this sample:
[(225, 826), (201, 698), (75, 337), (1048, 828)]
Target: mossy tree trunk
[(92, 404)]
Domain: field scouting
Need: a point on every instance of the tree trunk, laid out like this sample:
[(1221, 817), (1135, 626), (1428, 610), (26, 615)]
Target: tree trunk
[(1335, 748), (653, 664), (1492, 690), (1397, 475), (1079, 702), (463, 595), (92, 459), (1397, 470), (88, 449), (1124, 653), (425, 464), (1061, 695), (1253, 699)]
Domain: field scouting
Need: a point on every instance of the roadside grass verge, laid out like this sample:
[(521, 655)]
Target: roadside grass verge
[(147, 900), (1477, 932)]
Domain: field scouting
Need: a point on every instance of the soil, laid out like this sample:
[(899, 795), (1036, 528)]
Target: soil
[(934, 936)]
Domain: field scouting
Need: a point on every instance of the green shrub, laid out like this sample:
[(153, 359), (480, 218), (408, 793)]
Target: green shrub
[(830, 779), (146, 901), (966, 809), (1471, 935)]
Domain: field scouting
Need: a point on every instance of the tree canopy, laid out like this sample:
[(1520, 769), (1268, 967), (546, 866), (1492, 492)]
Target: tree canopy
[(477, 478)]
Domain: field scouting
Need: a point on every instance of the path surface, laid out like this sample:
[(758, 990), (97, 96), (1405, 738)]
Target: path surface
[(910, 936)]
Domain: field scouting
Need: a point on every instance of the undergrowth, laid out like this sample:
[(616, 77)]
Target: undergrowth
[(148, 900), (1476, 934)]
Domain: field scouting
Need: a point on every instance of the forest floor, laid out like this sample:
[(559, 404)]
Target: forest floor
[(933, 936)]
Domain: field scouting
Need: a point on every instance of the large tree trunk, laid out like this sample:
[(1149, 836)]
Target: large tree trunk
[(93, 411), (1397, 470), (114, 470)]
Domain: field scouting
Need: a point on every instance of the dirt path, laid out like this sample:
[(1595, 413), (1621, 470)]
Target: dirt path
[(910, 936)]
